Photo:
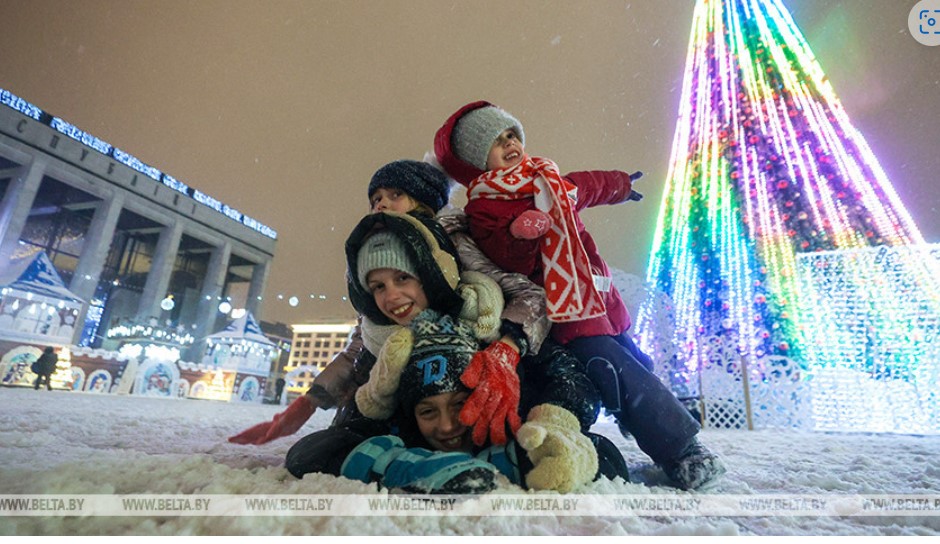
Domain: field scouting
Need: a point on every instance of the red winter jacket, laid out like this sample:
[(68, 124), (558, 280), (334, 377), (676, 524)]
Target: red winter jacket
[(490, 220)]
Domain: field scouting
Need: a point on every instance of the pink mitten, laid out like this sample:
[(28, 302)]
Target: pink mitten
[(530, 224)]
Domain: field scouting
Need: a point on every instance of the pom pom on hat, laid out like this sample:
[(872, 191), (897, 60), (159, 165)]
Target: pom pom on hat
[(422, 181), (476, 131), (383, 250)]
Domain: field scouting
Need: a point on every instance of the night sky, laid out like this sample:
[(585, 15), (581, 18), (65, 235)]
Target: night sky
[(283, 109)]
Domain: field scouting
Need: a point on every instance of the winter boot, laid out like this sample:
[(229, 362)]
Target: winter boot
[(385, 460), (609, 459), (695, 467)]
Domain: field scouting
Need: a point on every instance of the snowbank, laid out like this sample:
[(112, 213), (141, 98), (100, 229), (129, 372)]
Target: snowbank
[(61, 443)]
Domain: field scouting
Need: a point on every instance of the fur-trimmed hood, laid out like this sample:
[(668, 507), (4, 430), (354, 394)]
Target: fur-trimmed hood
[(479, 316), (429, 248)]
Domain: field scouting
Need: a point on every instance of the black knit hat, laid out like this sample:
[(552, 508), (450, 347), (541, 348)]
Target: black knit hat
[(420, 180), (442, 349), (427, 247)]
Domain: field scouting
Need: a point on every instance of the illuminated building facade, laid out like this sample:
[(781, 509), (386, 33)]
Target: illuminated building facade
[(138, 246), (314, 346)]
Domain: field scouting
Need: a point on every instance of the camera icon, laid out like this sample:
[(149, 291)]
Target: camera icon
[(923, 22), (927, 19)]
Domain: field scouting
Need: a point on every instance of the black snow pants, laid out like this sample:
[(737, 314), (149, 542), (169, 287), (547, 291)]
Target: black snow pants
[(641, 403)]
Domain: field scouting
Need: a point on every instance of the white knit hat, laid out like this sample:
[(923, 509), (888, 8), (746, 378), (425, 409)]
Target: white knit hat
[(476, 131), (382, 250)]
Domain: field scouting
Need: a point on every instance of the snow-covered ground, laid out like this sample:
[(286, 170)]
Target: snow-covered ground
[(66, 443)]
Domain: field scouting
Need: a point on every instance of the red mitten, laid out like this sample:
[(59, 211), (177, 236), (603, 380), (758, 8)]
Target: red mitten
[(283, 424), (530, 224), (494, 401)]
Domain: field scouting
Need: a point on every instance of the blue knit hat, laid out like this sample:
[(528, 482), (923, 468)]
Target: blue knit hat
[(442, 349), (420, 180)]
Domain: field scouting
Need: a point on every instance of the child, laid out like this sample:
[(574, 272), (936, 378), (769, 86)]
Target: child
[(394, 274), (432, 452), (524, 216), (410, 186)]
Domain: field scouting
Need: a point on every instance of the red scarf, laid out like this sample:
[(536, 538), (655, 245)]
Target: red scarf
[(569, 283)]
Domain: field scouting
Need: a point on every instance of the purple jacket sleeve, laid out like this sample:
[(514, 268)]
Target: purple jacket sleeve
[(336, 384)]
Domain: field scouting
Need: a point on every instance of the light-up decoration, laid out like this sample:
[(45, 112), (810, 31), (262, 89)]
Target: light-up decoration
[(225, 307), (219, 387), (77, 134), (134, 163), (175, 184), (241, 346), (131, 351), (14, 102), (873, 337), (765, 166), (162, 353), (64, 127), (151, 332), (168, 303)]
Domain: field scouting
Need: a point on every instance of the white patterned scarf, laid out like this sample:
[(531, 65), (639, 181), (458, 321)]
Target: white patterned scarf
[(569, 283)]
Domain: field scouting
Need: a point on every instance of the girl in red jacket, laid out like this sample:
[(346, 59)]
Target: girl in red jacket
[(523, 214)]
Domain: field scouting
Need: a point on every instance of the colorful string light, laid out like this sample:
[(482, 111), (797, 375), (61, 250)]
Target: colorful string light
[(765, 166)]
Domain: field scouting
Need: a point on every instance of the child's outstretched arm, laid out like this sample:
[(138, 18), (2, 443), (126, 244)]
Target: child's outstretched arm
[(334, 386), (597, 187)]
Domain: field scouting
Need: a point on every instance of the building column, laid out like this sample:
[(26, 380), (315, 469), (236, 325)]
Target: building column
[(259, 277), (91, 262), (158, 279), (16, 205), (212, 286)]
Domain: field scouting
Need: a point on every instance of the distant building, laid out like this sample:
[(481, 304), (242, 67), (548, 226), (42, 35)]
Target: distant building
[(313, 346), (138, 246), (282, 335)]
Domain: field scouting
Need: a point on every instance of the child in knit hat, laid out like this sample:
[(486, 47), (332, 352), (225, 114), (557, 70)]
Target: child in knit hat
[(421, 371), (433, 451), (524, 215), (417, 187), (398, 269)]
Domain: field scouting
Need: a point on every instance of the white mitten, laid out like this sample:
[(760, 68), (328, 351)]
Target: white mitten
[(378, 397), (563, 457), (483, 304)]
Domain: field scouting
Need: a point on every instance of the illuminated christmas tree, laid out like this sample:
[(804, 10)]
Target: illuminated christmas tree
[(765, 166)]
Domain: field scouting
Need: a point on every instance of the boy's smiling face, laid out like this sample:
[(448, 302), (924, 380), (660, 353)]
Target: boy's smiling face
[(399, 295), (438, 420), (507, 151)]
